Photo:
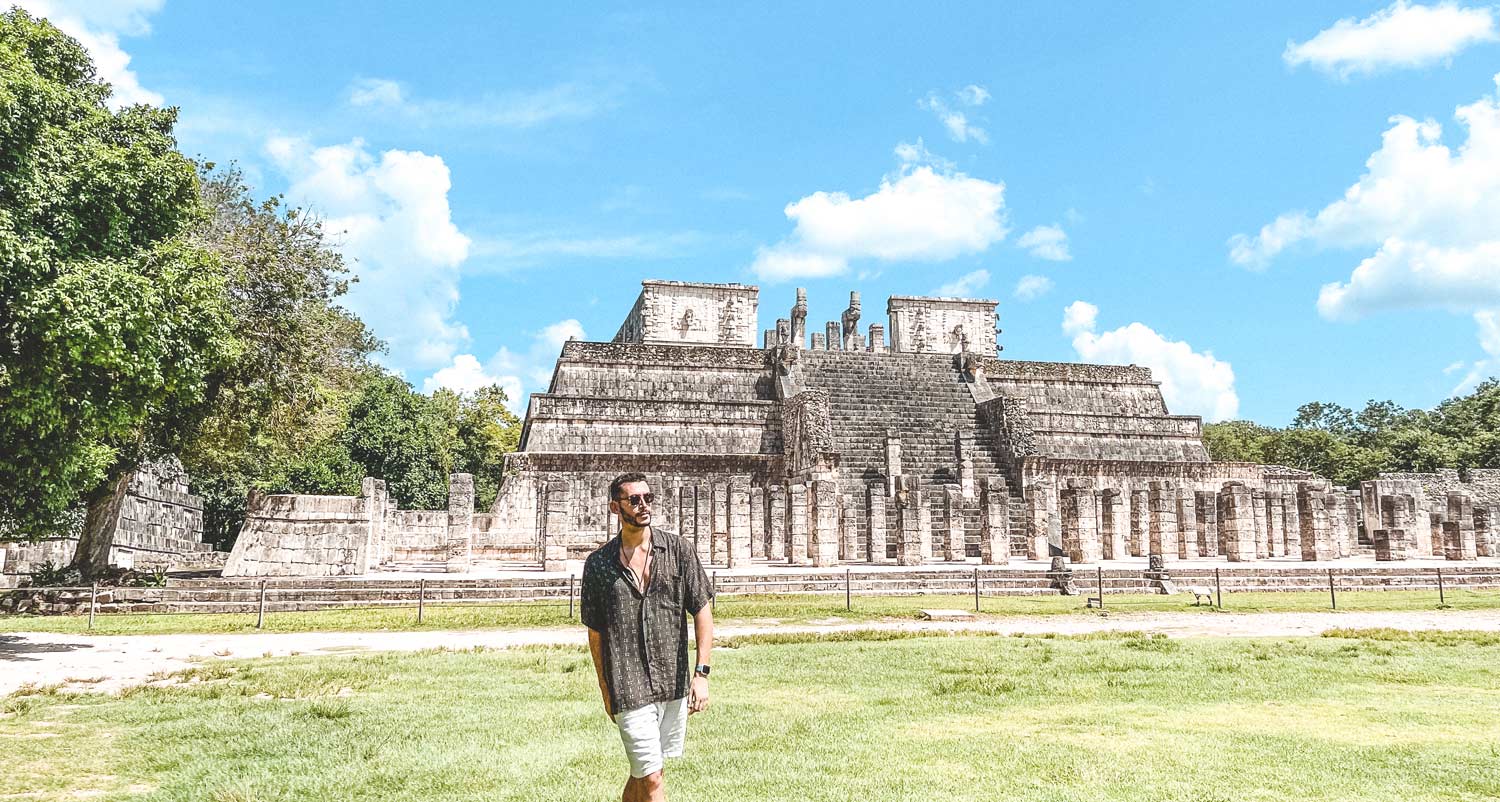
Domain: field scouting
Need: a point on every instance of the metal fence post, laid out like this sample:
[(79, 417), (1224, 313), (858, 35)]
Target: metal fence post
[(570, 597), (1332, 598), (713, 603), (421, 597), (1441, 599), (260, 616), (1100, 569), (976, 590), (93, 601), (848, 594), (1218, 589)]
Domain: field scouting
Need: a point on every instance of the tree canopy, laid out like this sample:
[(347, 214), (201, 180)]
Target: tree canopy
[(1349, 447), (113, 322)]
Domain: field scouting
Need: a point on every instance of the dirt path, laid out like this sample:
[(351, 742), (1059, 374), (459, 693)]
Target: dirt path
[(111, 662)]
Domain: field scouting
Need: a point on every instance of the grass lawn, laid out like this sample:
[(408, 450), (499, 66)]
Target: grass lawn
[(1371, 715), (735, 609)]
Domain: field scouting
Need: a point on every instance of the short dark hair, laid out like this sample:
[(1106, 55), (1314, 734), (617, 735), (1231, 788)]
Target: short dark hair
[(624, 479)]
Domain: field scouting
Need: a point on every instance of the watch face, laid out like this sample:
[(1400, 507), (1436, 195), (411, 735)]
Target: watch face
[(703, 670)]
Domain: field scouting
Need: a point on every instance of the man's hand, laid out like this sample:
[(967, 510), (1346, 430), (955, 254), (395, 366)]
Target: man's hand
[(698, 694)]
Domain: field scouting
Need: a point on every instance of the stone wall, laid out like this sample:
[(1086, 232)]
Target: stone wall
[(941, 325), (160, 524), (304, 535), (680, 313)]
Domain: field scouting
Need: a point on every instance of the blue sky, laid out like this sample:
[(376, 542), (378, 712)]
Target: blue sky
[(1266, 203)]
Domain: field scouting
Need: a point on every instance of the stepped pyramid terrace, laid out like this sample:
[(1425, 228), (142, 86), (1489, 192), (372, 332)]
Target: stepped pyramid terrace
[(904, 442)]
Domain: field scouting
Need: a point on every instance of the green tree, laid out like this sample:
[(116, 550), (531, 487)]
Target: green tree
[(302, 357), (113, 323), (486, 432), (1236, 441)]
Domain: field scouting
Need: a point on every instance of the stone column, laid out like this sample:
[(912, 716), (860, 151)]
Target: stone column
[(670, 508), (1080, 527), (1038, 522), (924, 529), (555, 532), (1276, 523), (1291, 514), (849, 528), (740, 515), (461, 521), (1420, 534), (818, 343), (1337, 525), (877, 338), (758, 523), (1438, 538), (893, 463), (368, 556), (825, 533), (1112, 523), (687, 519), (875, 522), (1312, 511), (797, 524), (1163, 497), (1353, 507), (953, 513), (776, 548), (1395, 514), (1140, 523), (908, 519), (1235, 509), (1206, 503), (703, 516), (1390, 544), (720, 553), (1187, 524), (1461, 515), (834, 337), (1484, 531), (1262, 526), (994, 522)]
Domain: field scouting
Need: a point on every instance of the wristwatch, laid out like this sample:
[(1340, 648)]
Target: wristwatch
[(701, 671)]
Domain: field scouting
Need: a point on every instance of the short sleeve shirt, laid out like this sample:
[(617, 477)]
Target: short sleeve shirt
[(644, 635)]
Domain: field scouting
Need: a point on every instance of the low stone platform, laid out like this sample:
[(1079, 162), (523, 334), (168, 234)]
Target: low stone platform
[(512, 584)]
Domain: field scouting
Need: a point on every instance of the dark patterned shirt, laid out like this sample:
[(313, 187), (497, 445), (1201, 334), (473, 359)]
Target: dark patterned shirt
[(644, 636)]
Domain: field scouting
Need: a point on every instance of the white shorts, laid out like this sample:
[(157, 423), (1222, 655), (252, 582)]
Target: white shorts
[(652, 733)]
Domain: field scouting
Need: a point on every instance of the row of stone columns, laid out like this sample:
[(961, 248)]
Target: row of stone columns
[(1236, 522), (1463, 532)]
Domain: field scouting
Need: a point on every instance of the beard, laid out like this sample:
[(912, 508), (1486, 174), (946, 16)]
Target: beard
[(630, 516)]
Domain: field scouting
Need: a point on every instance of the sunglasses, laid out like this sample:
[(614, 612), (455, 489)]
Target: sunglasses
[(639, 499)]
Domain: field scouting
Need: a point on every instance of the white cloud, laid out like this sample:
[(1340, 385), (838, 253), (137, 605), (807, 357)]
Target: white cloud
[(529, 371), (1046, 242), (389, 214), (1488, 321), (964, 286), (918, 154), (956, 120), (920, 214), (1428, 211), (1192, 382), (1030, 288), (98, 26), (512, 109), (973, 95), (375, 92), (1402, 35)]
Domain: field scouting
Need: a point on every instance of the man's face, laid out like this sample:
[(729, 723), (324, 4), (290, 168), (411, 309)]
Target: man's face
[(632, 513)]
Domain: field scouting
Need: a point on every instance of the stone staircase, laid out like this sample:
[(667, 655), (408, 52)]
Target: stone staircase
[(924, 400)]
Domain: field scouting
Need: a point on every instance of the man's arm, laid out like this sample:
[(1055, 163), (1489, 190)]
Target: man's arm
[(596, 649), (703, 633)]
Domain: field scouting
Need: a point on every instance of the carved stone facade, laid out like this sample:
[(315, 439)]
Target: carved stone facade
[(820, 444), (688, 313)]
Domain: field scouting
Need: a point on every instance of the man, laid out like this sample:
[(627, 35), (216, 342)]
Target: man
[(638, 590)]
